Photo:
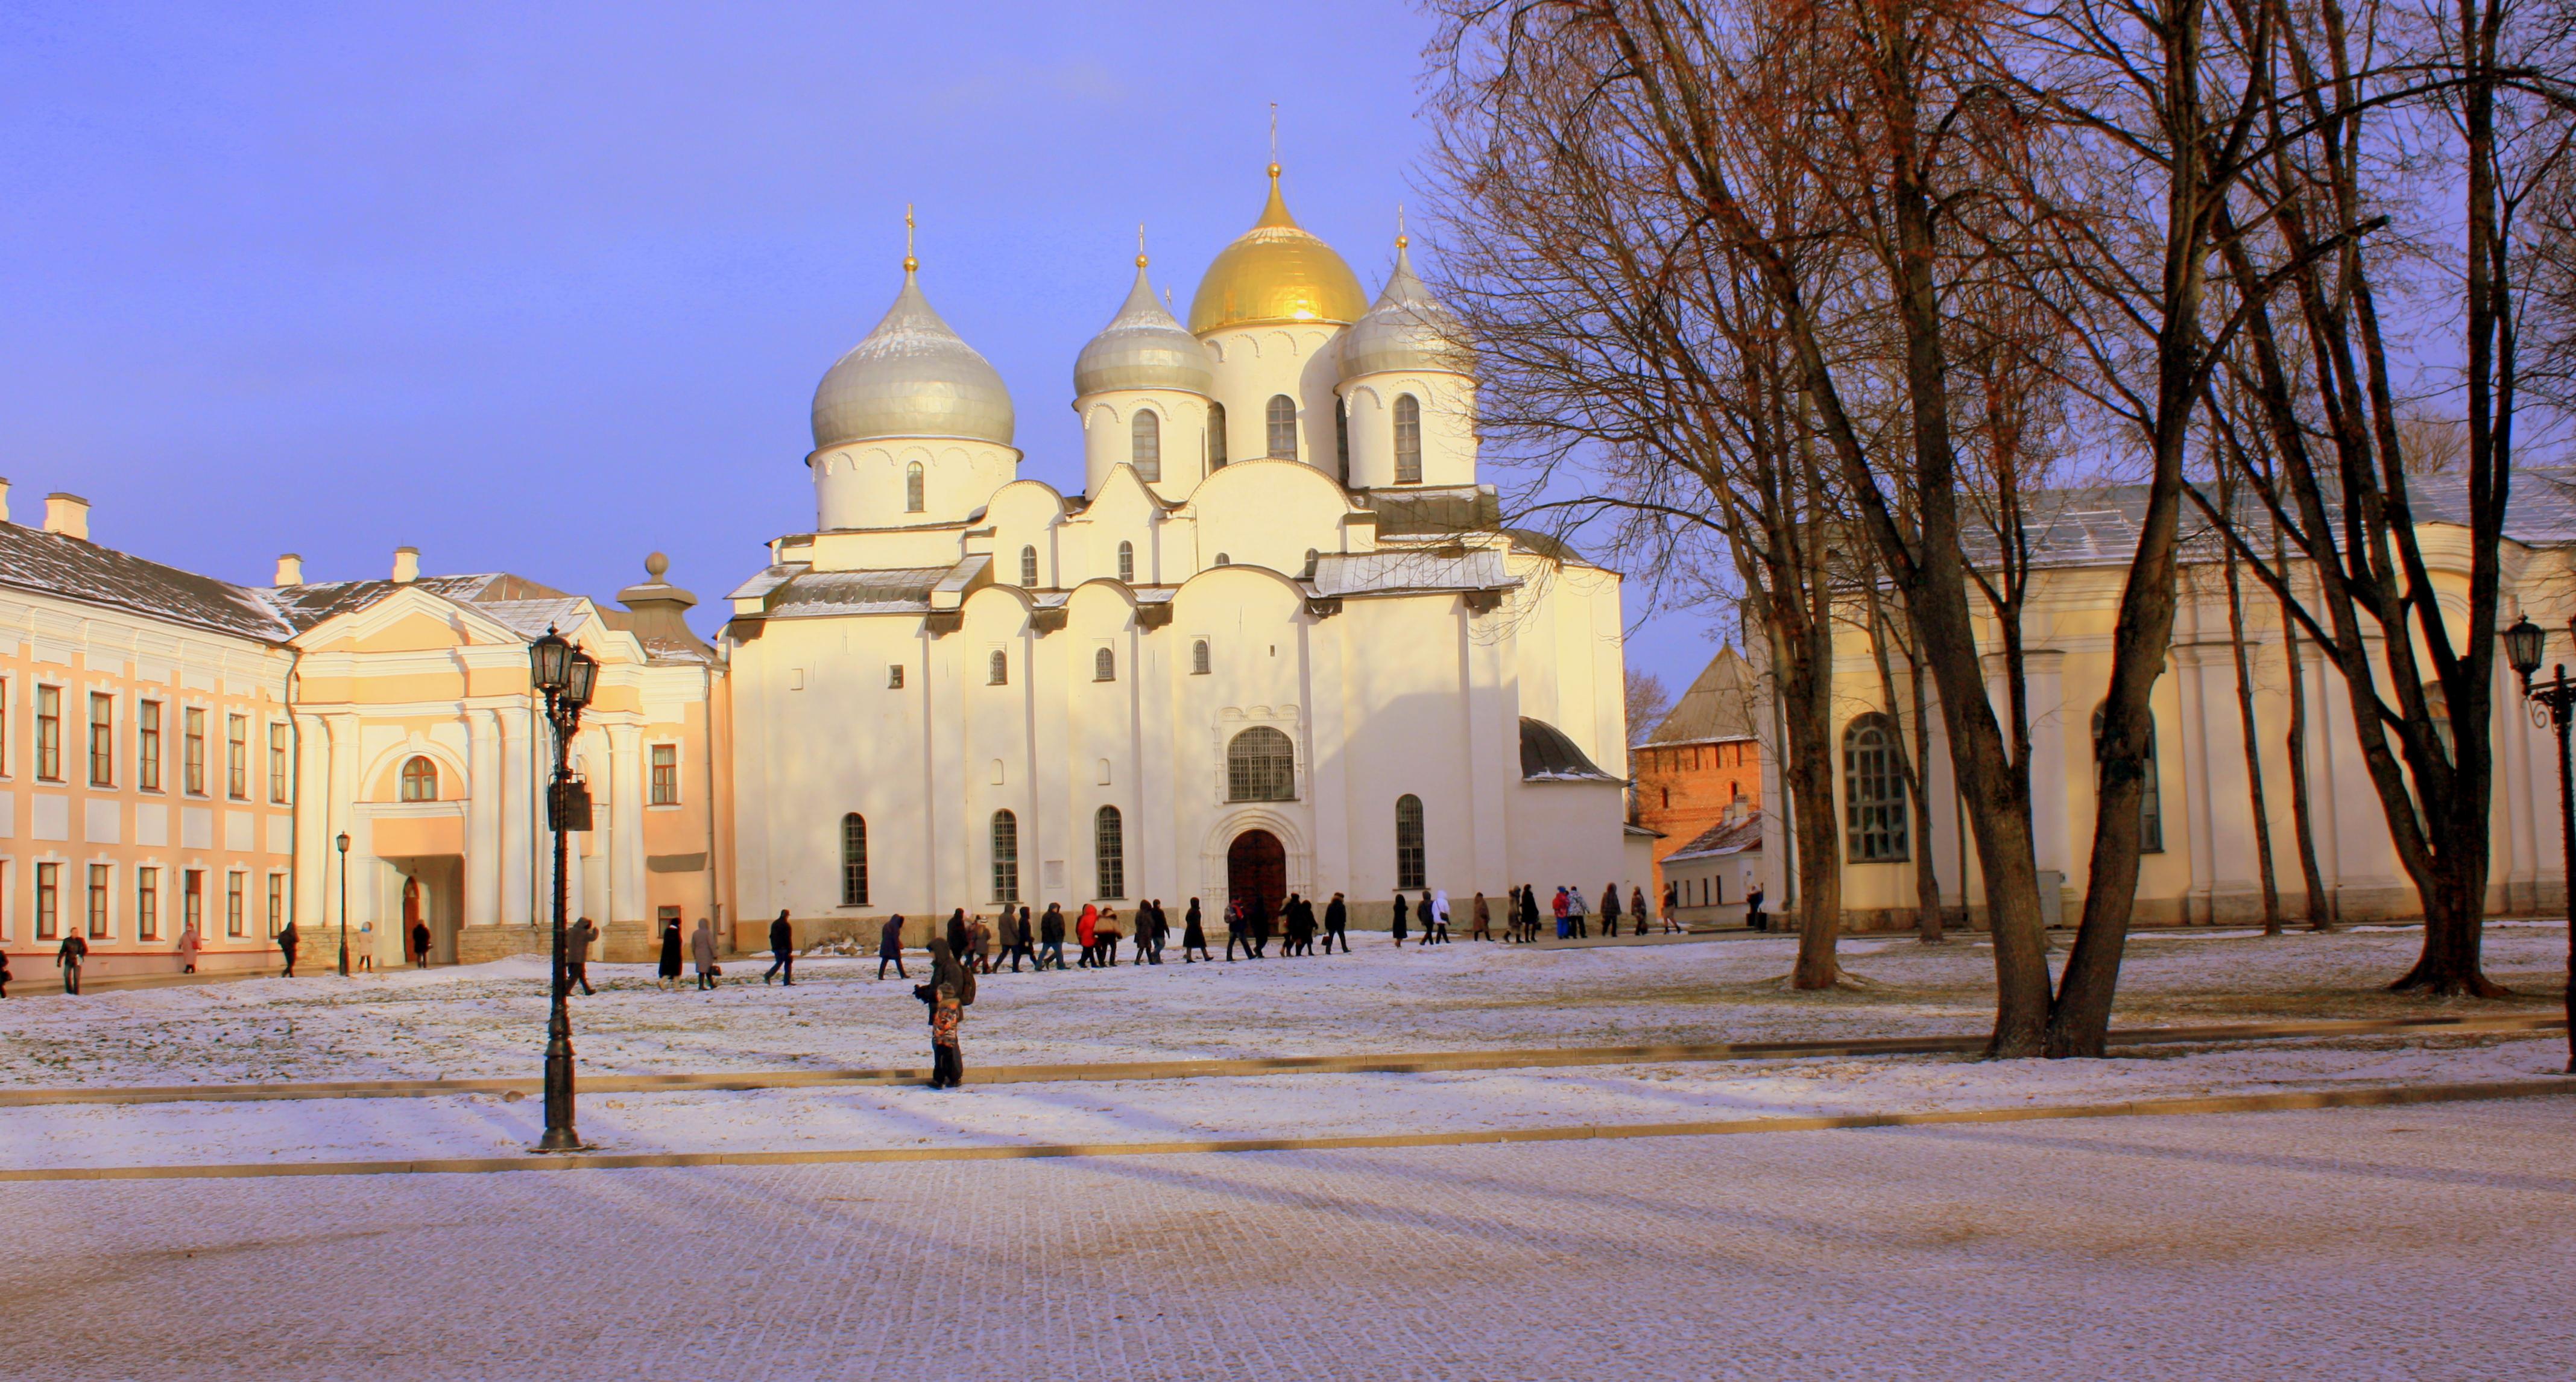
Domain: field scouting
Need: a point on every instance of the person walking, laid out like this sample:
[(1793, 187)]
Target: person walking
[(420, 945), (979, 944), (1257, 916), (1435, 912), (69, 956), (366, 948), (1235, 930), (957, 934), (1479, 920), (188, 945), (1294, 927), (1193, 935), (782, 949), (1528, 918), (1086, 932), (1337, 924), (1637, 907), (1753, 910), (1672, 912), (287, 940), (890, 946), (1396, 929), (577, 955), (1051, 937), (1156, 928), (1108, 935), (4, 973), (950, 990), (1564, 929), (1610, 912), (667, 973), (702, 953), (1023, 940)]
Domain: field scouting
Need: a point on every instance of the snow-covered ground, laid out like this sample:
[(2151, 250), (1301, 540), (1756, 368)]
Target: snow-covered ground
[(489, 1020)]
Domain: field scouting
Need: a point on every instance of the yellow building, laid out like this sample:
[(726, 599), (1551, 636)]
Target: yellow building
[(2201, 865)]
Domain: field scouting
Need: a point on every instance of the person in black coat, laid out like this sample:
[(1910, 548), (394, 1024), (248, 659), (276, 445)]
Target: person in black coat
[(287, 940), (1529, 913), (1021, 936), (1193, 935), (1402, 913), (890, 946), (72, 953), (782, 950), (668, 971), (1051, 937), (957, 934), (1337, 921)]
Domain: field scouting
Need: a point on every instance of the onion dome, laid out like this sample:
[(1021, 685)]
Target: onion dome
[(1276, 272), (1406, 329), (911, 377), (1143, 347)]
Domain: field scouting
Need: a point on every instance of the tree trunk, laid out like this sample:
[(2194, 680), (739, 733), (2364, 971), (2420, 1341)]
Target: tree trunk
[(1927, 879), (2321, 904), (2253, 739)]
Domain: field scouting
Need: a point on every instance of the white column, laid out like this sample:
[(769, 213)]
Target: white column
[(1493, 747), (519, 803), (483, 802), (625, 842), (2043, 682)]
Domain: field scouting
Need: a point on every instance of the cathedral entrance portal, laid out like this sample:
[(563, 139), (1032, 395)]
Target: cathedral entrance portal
[(1256, 866)]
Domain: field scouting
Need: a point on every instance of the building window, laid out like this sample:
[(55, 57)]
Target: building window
[(1145, 445), (1283, 428), (1260, 765), (2151, 806), (1874, 818), (1104, 665), (1342, 440), (666, 775), (997, 671), (1109, 851), (894, 676), (49, 733), (147, 904), (192, 750), (99, 881), (276, 903), (192, 900), (912, 501), (1410, 865), (234, 920), (1127, 562), (1408, 440), (1216, 437), (1223, 560), (49, 900), (1006, 857), (1199, 657), (280, 757), (854, 860), (419, 779), (102, 739), (237, 757), (1028, 567)]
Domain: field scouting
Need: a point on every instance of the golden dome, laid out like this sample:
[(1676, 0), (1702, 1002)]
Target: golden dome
[(1276, 272)]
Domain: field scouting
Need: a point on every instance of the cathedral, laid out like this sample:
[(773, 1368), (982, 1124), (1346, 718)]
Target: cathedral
[(1281, 642)]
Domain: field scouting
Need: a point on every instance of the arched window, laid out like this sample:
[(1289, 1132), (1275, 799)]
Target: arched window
[(1109, 852), (1199, 658), (1216, 437), (1342, 440), (1223, 560), (1028, 567), (1145, 445), (854, 860), (419, 780), (1283, 427), (1006, 857), (1409, 864), (2151, 806), (1104, 665), (1874, 816), (997, 672), (1408, 440), (1260, 765), (912, 488), (1127, 562)]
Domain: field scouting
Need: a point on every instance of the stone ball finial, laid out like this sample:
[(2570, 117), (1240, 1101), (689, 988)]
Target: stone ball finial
[(656, 564)]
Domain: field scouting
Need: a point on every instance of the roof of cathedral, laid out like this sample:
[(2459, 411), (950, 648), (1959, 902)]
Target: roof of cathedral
[(1406, 329), (70, 568), (1720, 703), (1422, 511), (812, 594), (911, 377), (1143, 347), (1548, 755), (1276, 272), (1396, 570), (1723, 838)]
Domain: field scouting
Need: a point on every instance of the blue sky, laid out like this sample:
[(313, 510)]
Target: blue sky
[(546, 288)]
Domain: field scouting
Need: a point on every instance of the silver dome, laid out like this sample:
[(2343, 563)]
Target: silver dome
[(1143, 347), (912, 377), (1406, 329)]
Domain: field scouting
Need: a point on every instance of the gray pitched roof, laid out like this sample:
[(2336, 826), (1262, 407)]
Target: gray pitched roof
[(1720, 704), (1548, 755), (71, 568), (1725, 837)]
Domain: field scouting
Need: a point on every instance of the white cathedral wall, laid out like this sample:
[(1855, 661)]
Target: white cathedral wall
[(863, 484), (1267, 513), (1257, 363), (1448, 404), (1109, 439)]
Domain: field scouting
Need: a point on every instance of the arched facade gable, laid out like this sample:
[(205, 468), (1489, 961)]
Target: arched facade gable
[(1210, 584), (1217, 490), (383, 774), (999, 609), (1101, 601), (472, 625)]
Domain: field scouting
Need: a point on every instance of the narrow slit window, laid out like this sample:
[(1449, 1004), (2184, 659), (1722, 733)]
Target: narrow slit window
[(1109, 852), (912, 495), (1408, 440), (1283, 428), (1410, 858), (1145, 445), (1127, 562), (1006, 857), (1216, 437), (854, 860)]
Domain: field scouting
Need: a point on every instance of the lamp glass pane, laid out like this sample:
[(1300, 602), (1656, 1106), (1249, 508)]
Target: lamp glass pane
[(579, 677), (546, 659)]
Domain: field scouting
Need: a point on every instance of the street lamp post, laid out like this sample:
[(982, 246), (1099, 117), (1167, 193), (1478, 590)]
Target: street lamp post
[(2553, 703), (565, 675), (344, 904)]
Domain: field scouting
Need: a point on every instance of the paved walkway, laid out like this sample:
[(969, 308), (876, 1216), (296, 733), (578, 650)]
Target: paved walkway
[(2425, 1243)]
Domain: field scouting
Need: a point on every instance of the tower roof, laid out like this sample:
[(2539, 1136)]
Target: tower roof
[(1406, 329), (911, 377), (1143, 347), (1276, 272)]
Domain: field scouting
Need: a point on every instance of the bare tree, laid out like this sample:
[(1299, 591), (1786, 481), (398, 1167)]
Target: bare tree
[(1647, 703)]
